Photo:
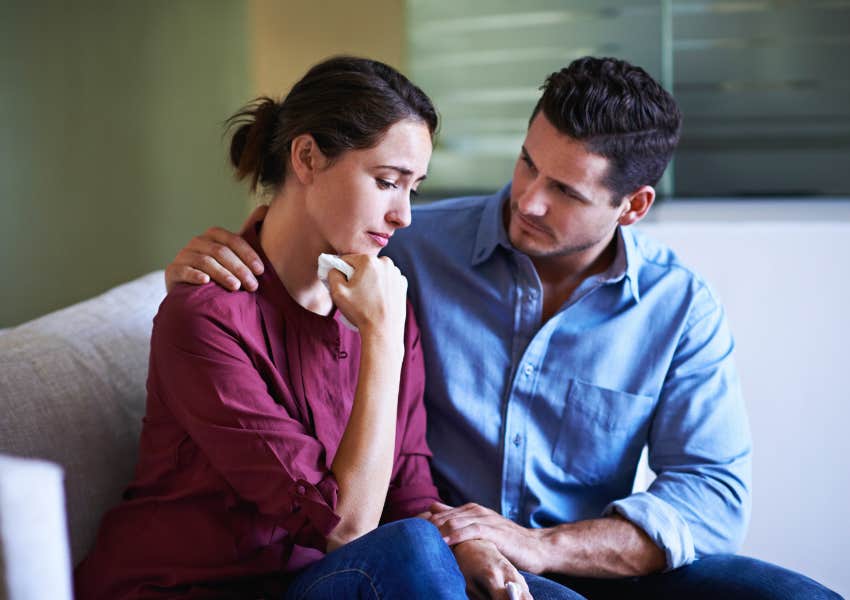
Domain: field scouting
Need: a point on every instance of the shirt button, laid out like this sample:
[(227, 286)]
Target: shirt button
[(532, 295), (528, 369), (513, 512), (517, 440), (301, 490)]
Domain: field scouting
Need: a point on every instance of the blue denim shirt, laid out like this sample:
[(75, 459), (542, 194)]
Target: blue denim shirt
[(546, 422)]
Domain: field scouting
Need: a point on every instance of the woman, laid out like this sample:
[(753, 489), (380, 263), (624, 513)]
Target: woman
[(273, 433)]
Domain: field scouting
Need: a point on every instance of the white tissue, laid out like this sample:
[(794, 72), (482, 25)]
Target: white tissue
[(328, 262)]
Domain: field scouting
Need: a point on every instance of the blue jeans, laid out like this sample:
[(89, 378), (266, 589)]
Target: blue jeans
[(404, 559), (726, 577)]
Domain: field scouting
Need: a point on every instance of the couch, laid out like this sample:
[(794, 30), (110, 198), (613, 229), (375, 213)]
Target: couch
[(72, 396)]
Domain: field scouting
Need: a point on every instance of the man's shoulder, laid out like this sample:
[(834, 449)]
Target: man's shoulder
[(655, 255), (445, 227), (658, 263), (460, 211)]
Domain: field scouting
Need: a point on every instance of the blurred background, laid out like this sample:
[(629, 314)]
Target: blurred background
[(112, 149), (112, 157)]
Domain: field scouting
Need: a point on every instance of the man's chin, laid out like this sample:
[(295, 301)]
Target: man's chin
[(529, 246)]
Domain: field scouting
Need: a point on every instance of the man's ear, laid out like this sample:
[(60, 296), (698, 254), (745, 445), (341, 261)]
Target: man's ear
[(636, 205), (306, 158)]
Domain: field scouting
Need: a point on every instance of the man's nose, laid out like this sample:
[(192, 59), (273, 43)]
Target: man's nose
[(533, 200)]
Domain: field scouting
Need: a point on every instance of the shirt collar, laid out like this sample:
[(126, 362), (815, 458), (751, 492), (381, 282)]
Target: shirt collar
[(633, 259), (491, 227), (625, 264)]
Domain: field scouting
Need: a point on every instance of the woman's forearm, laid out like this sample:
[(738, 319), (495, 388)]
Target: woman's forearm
[(364, 460)]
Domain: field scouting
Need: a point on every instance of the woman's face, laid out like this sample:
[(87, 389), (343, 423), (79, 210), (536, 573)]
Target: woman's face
[(358, 201)]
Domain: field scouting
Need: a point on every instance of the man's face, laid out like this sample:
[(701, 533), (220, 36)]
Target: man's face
[(559, 205)]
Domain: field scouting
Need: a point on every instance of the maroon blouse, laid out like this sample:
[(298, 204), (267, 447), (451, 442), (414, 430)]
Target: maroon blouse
[(248, 397)]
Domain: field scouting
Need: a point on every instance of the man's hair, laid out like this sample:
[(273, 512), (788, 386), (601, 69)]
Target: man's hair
[(619, 112)]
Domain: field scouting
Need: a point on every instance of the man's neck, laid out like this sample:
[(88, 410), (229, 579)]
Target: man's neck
[(560, 276)]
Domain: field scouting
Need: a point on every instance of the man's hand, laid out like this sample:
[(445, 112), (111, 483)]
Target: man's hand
[(522, 546), (218, 254), (487, 571)]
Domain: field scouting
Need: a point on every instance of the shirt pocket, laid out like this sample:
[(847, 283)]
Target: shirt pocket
[(602, 432)]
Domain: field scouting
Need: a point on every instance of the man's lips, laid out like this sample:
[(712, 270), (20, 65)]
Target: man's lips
[(382, 239), (530, 224)]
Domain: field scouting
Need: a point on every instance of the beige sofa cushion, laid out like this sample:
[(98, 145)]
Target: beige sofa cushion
[(72, 391)]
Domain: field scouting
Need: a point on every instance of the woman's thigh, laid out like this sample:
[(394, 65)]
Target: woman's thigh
[(404, 559)]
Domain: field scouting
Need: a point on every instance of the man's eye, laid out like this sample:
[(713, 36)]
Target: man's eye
[(386, 185), (527, 161)]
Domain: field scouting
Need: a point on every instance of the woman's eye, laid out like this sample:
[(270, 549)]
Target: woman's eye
[(414, 193), (386, 185)]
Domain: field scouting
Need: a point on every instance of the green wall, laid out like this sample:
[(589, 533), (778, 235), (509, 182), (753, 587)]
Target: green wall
[(111, 148)]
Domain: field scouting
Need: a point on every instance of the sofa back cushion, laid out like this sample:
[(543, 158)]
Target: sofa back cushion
[(72, 391)]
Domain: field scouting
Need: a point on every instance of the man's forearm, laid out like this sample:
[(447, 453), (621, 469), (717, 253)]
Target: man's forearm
[(606, 547)]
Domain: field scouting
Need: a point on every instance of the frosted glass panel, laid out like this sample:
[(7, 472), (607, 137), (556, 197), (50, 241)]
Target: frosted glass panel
[(482, 62), (763, 84), (764, 87)]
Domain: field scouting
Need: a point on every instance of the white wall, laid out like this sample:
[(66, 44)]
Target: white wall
[(782, 268)]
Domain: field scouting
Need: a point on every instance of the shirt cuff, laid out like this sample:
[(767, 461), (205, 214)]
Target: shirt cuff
[(661, 522), (312, 516)]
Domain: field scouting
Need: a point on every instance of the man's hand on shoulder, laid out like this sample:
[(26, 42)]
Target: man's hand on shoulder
[(521, 545), (220, 255), (487, 571)]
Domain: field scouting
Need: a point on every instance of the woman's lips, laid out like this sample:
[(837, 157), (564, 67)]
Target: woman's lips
[(382, 239)]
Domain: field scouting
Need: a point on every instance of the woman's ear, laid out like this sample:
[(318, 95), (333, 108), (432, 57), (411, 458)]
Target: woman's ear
[(306, 158)]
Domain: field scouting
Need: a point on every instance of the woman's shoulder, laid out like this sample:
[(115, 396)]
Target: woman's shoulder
[(192, 309)]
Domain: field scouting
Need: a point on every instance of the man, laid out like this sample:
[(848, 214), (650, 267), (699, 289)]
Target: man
[(558, 343)]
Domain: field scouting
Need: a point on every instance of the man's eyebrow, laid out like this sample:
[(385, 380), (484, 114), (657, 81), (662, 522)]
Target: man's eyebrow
[(402, 170), (567, 187)]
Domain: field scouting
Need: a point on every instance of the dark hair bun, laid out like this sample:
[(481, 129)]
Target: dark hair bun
[(250, 146)]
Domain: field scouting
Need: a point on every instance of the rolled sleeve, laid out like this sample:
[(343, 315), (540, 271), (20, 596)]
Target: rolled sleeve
[(699, 447), (661, 522), (309, 521), (202, 374)]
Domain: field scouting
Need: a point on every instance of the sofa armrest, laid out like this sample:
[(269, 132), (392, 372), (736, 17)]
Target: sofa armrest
[(35, 561)]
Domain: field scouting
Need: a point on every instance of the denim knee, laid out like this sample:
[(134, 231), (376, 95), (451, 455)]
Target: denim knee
[(418, 533)]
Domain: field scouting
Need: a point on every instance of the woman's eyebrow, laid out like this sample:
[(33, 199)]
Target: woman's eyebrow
[(401, 170)]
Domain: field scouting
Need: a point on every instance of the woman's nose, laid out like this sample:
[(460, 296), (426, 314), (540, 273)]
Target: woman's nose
[(399, 215)]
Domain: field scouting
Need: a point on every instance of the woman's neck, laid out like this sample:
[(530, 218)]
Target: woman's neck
[(293, 245)]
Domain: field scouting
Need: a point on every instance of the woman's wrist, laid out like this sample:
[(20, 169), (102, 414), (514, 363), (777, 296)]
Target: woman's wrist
[(380, 338)]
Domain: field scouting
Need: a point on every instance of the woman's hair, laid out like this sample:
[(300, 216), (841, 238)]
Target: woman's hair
[(345, 103)]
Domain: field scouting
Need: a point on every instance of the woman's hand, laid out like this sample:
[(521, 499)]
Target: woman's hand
[(220, 255), (487, 571), (375, 300)]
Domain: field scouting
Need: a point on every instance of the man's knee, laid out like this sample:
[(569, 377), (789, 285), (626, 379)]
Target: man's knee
[(755, 579)]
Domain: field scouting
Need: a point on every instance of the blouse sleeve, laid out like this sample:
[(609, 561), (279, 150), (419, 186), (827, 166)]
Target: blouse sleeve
[(412, 488), (205, 377)]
